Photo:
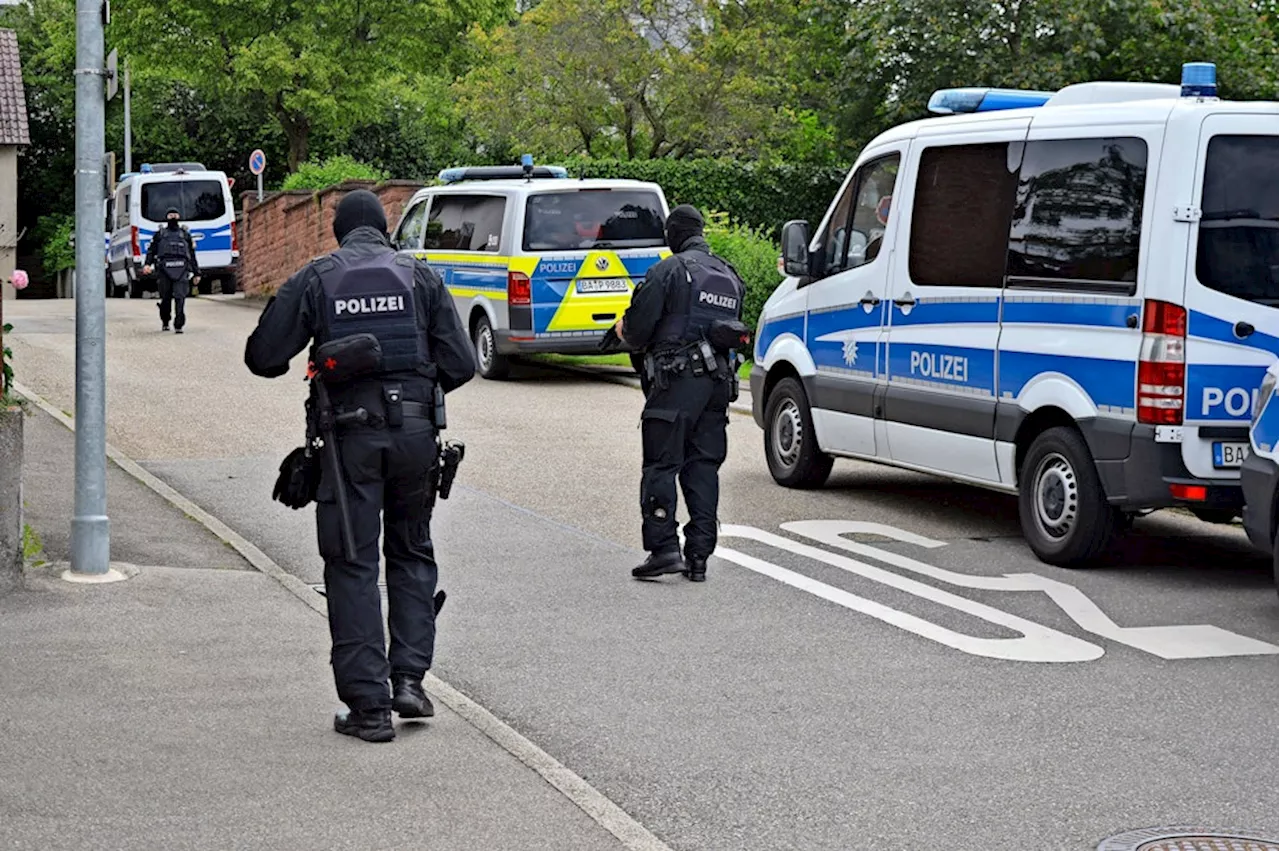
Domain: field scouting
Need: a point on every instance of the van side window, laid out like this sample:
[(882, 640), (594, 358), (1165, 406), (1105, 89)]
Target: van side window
[(856, 230), (960, 217), (465, 223), (1239, 223), (409, 235), (122, 210), (1078, 215)]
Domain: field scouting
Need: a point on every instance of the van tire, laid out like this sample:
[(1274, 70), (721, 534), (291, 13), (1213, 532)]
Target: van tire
[(790, 443), (489, 363), (1065, 516), (135, 286), (228, 285), (205, 287)]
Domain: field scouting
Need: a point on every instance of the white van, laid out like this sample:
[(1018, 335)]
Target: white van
[(1067, 296), (137, 209)]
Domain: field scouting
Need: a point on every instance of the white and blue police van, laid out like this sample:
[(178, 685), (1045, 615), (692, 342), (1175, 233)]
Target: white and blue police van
[(1070, 296), (1258, 476), (136, 210)]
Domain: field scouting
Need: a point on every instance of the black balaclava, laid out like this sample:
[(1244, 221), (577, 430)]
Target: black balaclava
[(171, 216), (359, 209), (684, 223)]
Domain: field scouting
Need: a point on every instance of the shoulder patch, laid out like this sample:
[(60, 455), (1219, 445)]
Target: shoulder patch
[(322, 262), (405, 260)]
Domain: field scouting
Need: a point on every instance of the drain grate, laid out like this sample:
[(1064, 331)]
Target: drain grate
[(1189, 839)]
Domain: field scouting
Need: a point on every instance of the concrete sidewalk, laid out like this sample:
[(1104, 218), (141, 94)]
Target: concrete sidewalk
[(190, 707)]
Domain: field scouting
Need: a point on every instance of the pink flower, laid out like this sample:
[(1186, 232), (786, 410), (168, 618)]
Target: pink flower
[(19, 280)]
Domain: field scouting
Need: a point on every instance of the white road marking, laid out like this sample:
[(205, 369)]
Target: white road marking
[(1198, 641), (1036, 644)]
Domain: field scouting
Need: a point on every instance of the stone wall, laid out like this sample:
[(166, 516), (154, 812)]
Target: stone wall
[(11, 556), (279, 236)]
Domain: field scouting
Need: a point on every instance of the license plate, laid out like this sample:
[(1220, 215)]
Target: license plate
[(603, 285), (1229, 455)]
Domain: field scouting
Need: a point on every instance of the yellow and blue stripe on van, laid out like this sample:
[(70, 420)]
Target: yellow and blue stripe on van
[(570, 295)]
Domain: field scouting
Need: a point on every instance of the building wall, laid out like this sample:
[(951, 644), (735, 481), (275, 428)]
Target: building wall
[(288, 229), (8, 215)]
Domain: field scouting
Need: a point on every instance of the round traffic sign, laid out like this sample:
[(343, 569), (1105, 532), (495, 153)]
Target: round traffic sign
[(257, 162)]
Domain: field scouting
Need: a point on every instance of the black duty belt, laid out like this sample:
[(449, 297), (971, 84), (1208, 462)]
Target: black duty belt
[(348, 415)]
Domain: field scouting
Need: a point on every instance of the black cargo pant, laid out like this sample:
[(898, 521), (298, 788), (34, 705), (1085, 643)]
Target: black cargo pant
[(391, 479), (173, 294), (684, 433)]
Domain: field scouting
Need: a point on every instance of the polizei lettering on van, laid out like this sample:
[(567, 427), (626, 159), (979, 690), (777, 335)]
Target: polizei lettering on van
[(371, 304), (940, 367), (728, 302)]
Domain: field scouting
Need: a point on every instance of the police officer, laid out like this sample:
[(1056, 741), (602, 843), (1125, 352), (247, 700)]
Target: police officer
[(175, 252), (390, 462), (679, 317)]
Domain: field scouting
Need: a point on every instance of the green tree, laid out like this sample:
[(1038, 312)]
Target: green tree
[(308, 64), (637, 79)]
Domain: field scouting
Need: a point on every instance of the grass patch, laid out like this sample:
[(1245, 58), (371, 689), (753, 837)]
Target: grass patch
[(32, 546), (619, 359)]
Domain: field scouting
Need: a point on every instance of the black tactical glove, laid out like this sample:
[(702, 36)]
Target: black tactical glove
[(611, 342), (299, 479)]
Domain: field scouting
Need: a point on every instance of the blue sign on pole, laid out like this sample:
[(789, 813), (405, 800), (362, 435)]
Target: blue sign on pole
[(257, 162)]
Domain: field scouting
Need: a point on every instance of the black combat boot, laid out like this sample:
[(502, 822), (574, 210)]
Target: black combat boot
[(659, 564), (408, 699), (695, 569), (371, 725)]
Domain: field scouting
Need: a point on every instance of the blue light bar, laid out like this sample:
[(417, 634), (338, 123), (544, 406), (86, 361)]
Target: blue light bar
[(953, 101), (501, 172), (1199, 80), (526, 160), (146, 168)]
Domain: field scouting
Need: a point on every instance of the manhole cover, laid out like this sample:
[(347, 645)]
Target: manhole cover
[(1189, 839)]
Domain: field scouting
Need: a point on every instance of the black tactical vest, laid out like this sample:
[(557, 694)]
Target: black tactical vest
[(373, 294), (714, 293), (174, 254)]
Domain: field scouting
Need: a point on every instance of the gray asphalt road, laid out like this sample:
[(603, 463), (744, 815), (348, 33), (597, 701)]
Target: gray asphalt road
[(943, 689)]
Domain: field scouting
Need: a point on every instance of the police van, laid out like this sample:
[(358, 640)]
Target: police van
[(535, 261), (1259, 475), (1070, 296), (137, 209)]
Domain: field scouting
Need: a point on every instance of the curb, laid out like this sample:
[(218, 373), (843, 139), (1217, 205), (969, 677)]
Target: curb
[(604, 812)]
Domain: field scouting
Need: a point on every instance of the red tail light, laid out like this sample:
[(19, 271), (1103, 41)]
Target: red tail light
[(1162, 367), (235, 241), (137, 249), (519, 289), (1190, 493)]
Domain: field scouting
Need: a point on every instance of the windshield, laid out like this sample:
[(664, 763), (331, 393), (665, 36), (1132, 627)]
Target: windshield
[(592, 218), (1237, 252), (195, 200)]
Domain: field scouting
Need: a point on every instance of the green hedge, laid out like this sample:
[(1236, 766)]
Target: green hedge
[(759, 196), (321, 175), (753, 254)]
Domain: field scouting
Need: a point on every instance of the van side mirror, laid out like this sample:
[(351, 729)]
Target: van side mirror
[(795, 248)]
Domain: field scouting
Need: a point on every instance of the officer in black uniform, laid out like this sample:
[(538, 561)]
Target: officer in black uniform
[(680, 317), (174, 252), (389, 463)]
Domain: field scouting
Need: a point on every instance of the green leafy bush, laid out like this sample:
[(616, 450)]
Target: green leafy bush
[(54, 233), (752, 253), (759, 195), (334, 170)]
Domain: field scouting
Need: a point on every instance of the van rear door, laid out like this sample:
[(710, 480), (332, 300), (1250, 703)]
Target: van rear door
[(1231, 288), (595, 246), (202, 204)]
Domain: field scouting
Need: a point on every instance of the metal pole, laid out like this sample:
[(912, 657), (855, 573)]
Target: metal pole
[(128, 123), (90, 528), (259, 187)]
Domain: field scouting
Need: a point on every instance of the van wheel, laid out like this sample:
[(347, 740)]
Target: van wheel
[(135, 287), (1064, 512), (205, 287), (228, 285), (490, 364), (790, 444)]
